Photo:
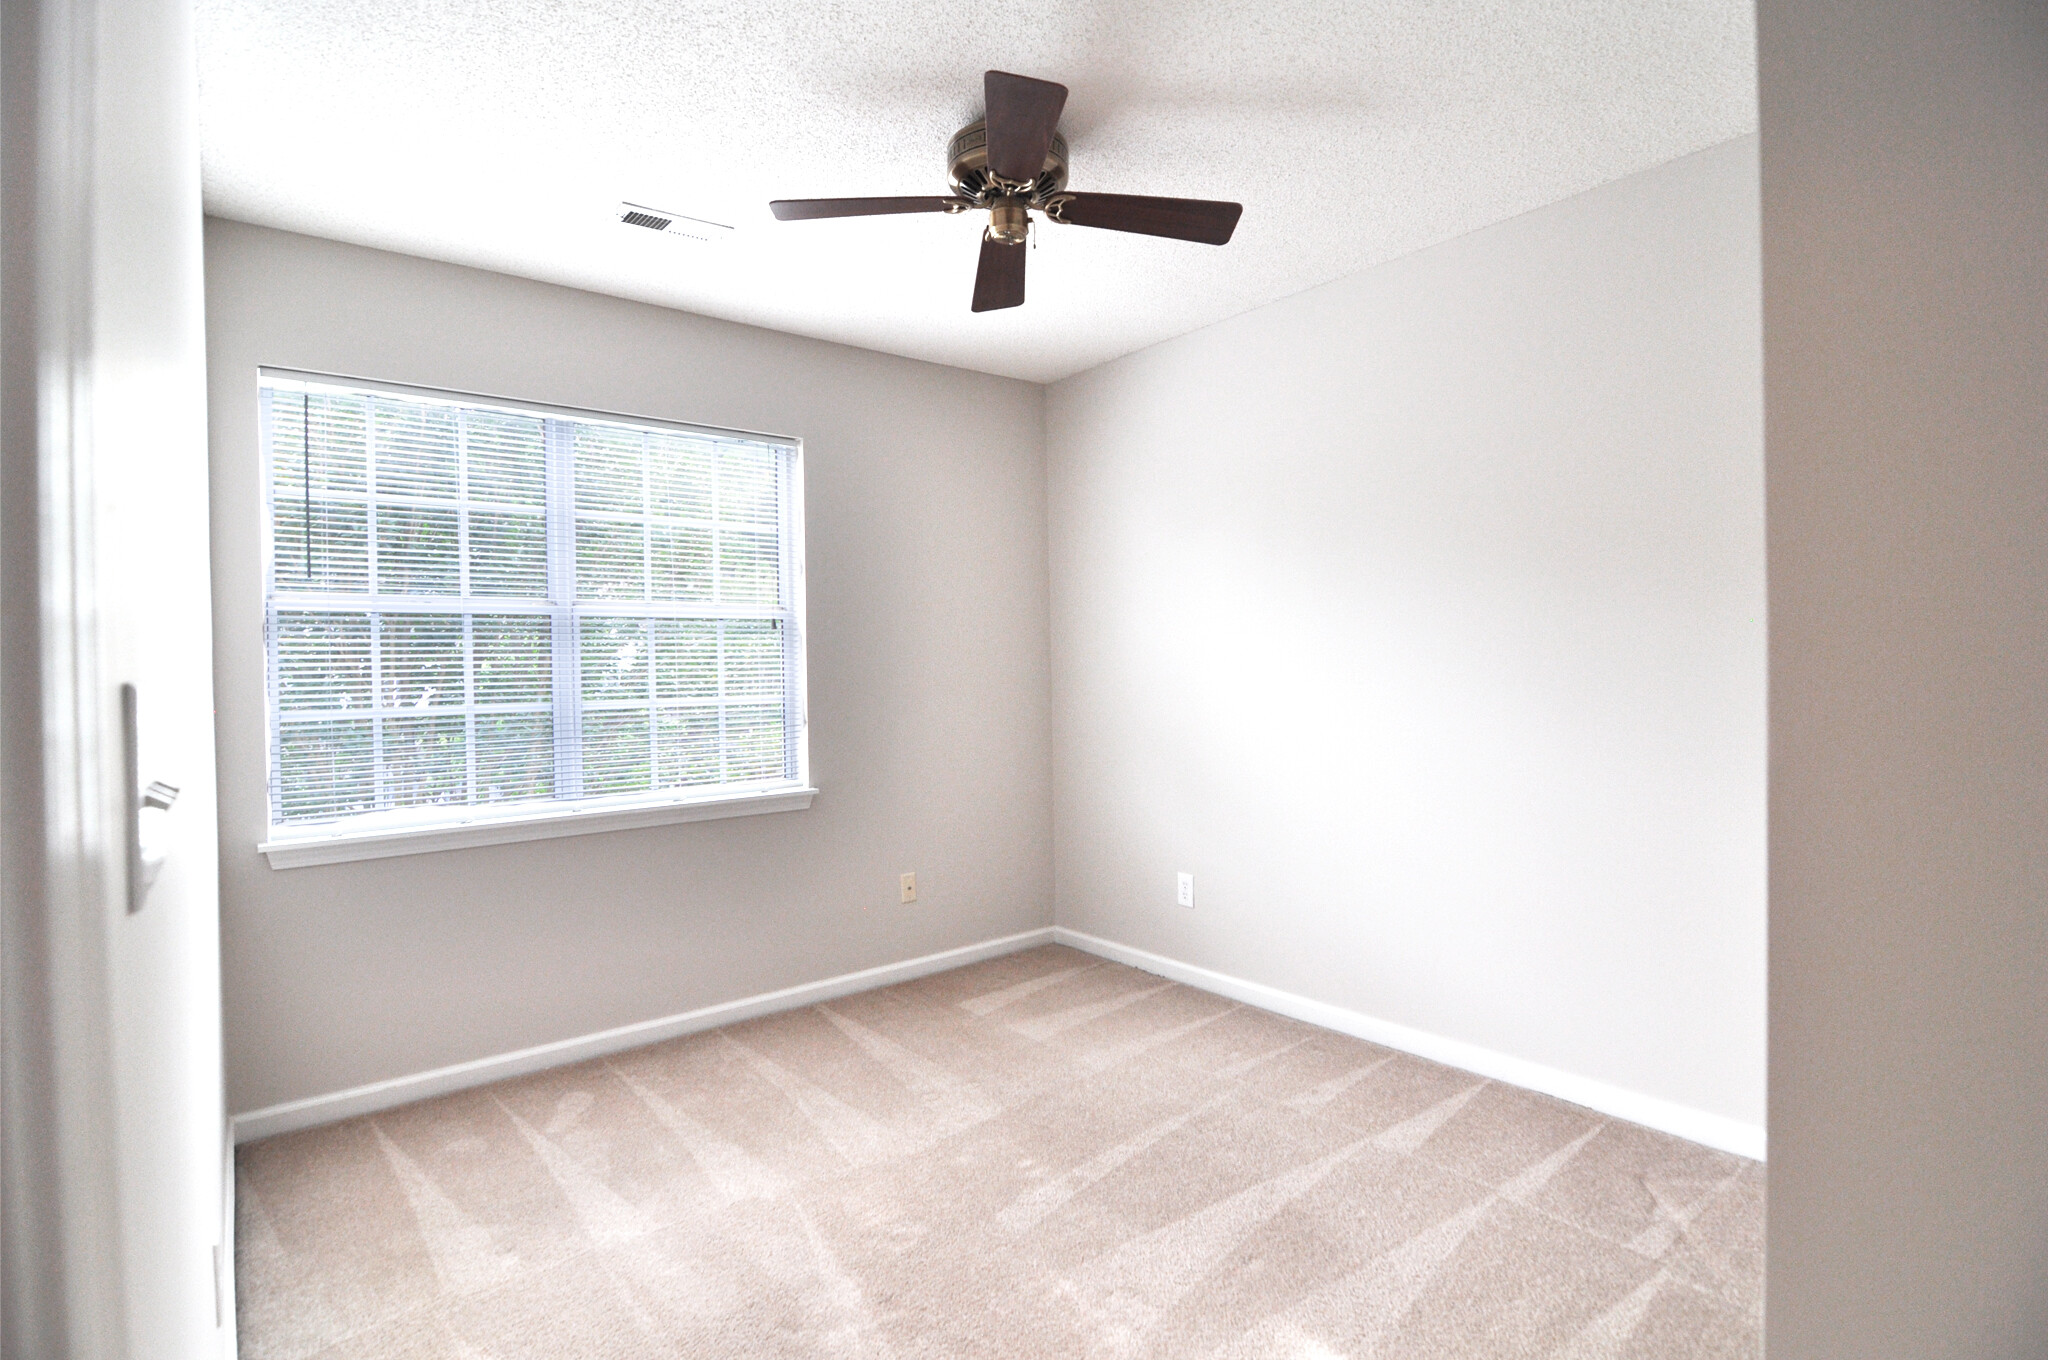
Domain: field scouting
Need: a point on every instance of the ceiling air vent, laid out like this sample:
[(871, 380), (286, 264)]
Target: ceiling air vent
[(671, 224)]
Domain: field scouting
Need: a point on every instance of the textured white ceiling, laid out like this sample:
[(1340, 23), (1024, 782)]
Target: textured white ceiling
[(503, 134)]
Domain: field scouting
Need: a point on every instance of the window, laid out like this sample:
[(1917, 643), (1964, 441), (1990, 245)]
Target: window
[(487, 620)]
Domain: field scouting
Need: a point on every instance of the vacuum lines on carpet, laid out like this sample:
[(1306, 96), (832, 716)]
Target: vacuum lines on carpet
[(1040, 1155)]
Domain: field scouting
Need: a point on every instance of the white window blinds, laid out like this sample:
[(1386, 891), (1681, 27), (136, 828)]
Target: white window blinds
[(474, 604)]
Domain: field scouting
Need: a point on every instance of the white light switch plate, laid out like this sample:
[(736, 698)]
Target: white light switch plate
[(1186, 893), (910, 887)]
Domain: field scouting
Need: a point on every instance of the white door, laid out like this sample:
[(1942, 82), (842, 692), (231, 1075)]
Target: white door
[(115, 1173)]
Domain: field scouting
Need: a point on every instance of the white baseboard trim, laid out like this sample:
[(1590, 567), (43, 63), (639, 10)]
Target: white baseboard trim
[(1716, 1131), (383, 1095)]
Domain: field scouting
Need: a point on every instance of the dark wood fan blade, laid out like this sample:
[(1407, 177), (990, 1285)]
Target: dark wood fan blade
[(802, 209), (999, 283), (1022, 114), (1183, 219)]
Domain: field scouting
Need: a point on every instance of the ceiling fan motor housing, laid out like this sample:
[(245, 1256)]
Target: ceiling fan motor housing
[(967, 166), (1022, 169)]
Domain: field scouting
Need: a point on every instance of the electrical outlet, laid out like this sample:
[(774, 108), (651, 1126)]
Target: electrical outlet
[(910, 887), (1186, 893)]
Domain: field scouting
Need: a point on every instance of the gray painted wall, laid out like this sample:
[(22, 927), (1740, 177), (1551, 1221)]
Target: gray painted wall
[(1421, 617), (1905, 246), (928, 687)]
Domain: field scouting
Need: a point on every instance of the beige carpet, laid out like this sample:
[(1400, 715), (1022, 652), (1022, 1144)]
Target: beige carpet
[(1042, 1155)]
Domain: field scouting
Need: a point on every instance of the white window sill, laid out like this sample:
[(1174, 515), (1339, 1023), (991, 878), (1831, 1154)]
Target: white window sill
[(525, 824)]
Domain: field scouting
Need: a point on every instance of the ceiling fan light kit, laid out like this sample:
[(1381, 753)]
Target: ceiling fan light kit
[(1014, 162)]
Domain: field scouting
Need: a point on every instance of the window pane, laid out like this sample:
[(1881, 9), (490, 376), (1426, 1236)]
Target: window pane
[(334, 454), (686, 747), (426, 760), (515, 757), (323, 660), (610, 560), (753, 659), (682, 562), (679, 472), (609, 465), (746, 485), (334, 556), (616, 756), (324, 770), (685, 659), (614, 654), (508, 554), (377, 494), (749, 567), (416, 551), (421, 656), (753, 743), (514, 658), (415, 448), (507, 458)]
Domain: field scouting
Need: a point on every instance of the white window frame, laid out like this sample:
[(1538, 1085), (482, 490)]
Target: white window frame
[(419, 830)]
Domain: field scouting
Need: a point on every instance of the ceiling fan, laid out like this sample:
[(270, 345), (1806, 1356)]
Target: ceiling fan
[(1013, 162)]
